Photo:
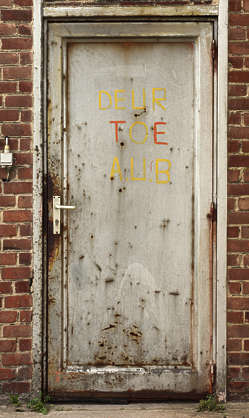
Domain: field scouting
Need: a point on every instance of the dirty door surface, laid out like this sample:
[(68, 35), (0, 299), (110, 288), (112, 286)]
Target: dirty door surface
[(130, 145)]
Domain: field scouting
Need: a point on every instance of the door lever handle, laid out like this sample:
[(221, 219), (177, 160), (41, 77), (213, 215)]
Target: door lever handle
[(64, 207), (57, 214)]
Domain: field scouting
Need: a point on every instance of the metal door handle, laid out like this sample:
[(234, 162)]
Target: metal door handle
[(57, 214), (64, 207)]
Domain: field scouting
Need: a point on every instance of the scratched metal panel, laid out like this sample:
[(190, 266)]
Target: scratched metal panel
[(130, 254), (129, 277)]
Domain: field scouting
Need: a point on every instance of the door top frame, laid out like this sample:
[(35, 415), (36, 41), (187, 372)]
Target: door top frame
[(130, 11), (41, 14)]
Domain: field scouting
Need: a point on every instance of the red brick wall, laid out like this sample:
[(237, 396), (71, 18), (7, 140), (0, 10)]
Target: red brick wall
[(16, 196), (238, 200)]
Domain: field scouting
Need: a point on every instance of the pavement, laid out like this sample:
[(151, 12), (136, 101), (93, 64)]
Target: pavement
[(133, 410)]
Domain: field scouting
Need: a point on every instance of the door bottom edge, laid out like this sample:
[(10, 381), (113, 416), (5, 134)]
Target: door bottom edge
[(125, 397)]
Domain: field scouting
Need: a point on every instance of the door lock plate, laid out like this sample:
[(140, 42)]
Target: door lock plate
[(56, 215)]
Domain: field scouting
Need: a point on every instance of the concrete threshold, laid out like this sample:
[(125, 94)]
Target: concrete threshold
[(133, 410)]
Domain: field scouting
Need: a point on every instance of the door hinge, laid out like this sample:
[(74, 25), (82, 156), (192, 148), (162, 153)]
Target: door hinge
[(212, 373), (214, 49), (212, 215)]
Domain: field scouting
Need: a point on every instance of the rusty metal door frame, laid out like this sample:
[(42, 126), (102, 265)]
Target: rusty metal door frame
[(39, 318)]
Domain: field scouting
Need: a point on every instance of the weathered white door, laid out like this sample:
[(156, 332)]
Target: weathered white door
[(129, 269)]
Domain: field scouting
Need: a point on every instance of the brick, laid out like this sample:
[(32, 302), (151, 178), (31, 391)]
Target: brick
[(245, 146), (233, 176), (239, 48), (246, 316), (26, 316), (16, 387), (238, 274), (7, 29), (235, 62), (17, 244), (23, 301), (25, 258), (16, 273), (8, 58), (237, 33), (24, 201), (7, 346), (235, 317), (17, 73), (7, 374), (239, 386), (246, 260), (8, 87), (234, 344), (246, 175), (238, 331), (231, 202), (13, 143), (16, 15), (16, 44), (245, 373), (17, 331), (246, 5), (17, 216), (19, 101), (5, 288), (25, 173), (8, 259), (237, 90), (234, 288), (233, 232), (23, 2), (26, 58), (245, 288), (236, 303), (25, 145), (238, 160), (26, 86), (9, 115), (22, 287), (22, 158), (7, 201), (238, 218), (8, 316), (238, 104), (233, 372), (25, 344), (27, 30), (234, 5), (233, 260), (238, 132), (243, 203), (246, 118), (233, 146), (24, 373), (17, 129), (26, 116), (5, 2), (239, 20), (16, 359), (25, 230), (18, 188), (8, 230), (1, 173), (238, 189)]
